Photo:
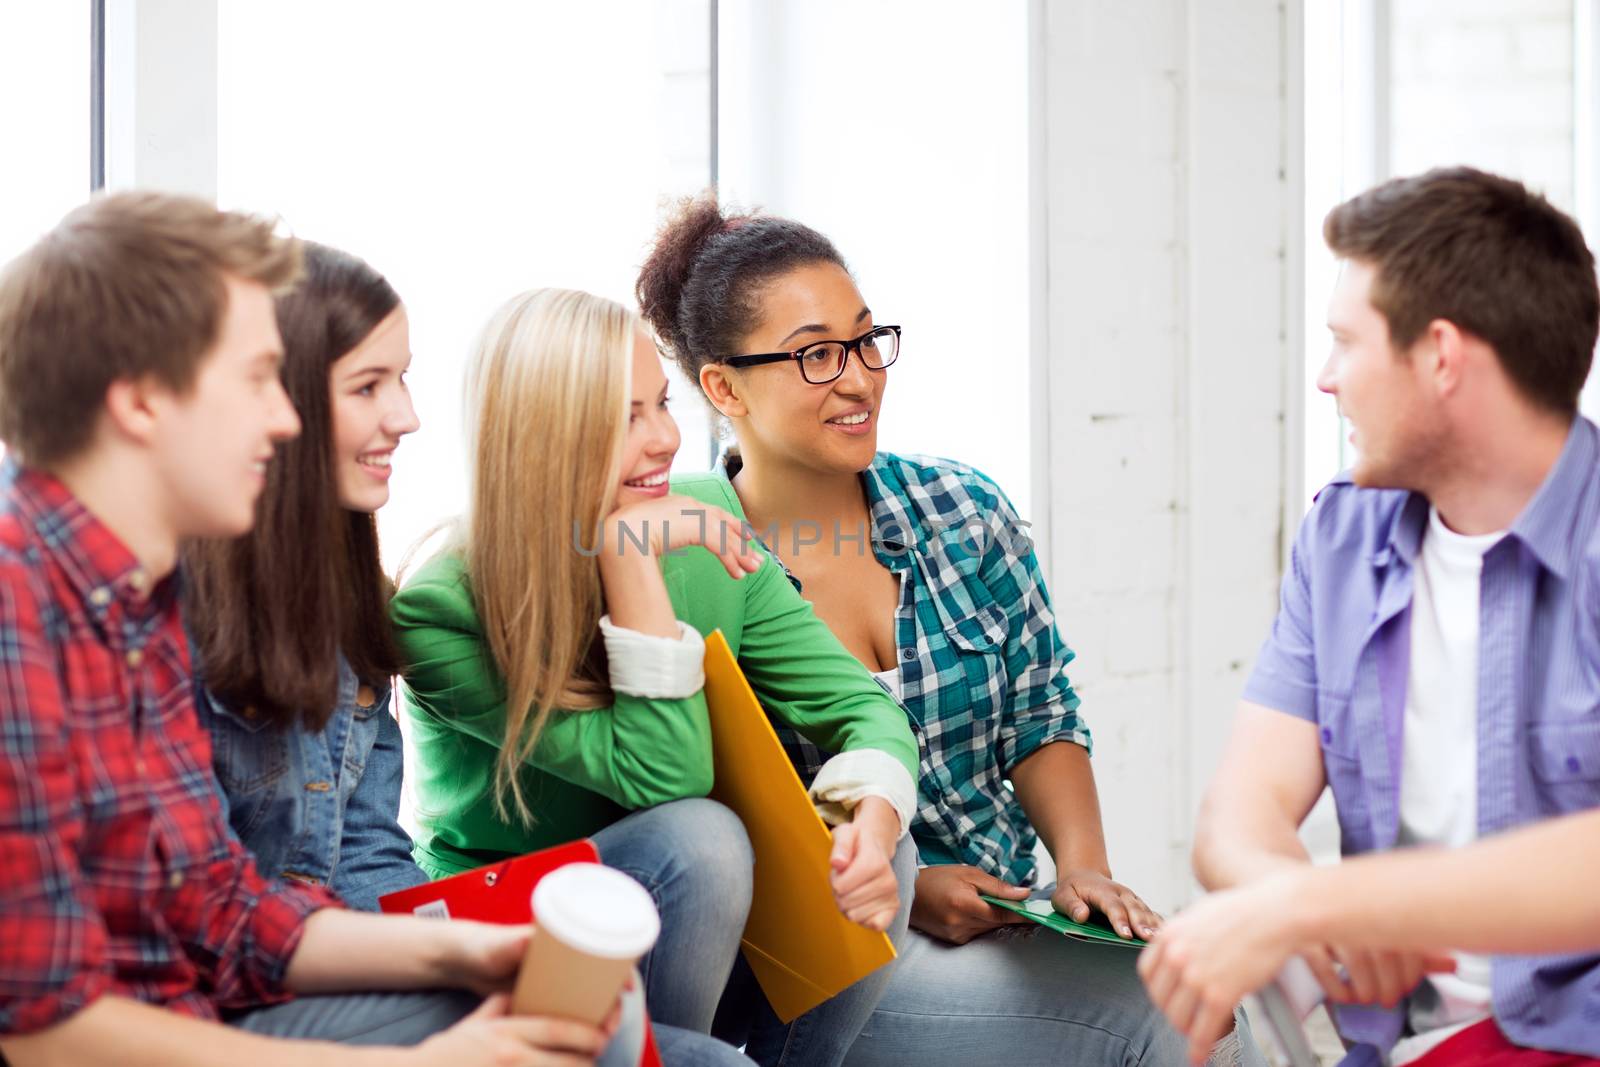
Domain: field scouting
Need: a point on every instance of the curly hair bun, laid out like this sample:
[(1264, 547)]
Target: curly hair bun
[(665, 274), (701, 287)]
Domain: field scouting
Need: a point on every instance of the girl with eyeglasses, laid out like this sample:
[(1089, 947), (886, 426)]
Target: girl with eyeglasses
[(554, 686), (923, 571)]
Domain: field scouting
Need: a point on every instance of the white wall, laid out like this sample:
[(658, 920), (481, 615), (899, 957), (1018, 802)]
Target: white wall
[(900, 130), (44, 58), (1173, 208), (1484, 82)]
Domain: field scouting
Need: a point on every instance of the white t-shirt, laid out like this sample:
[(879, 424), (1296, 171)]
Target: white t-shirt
[(1439, 767), (890, 680)]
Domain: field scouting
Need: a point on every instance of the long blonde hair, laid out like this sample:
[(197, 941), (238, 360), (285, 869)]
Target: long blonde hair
[(547, 402)]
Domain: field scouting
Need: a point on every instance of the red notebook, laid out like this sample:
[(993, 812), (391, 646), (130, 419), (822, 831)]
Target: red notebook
[(501, 893)]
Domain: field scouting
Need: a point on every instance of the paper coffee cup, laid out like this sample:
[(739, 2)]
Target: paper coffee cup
[(591, 924)]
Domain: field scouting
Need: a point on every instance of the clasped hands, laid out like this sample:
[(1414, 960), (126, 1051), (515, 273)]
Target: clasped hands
[(1228, 945)]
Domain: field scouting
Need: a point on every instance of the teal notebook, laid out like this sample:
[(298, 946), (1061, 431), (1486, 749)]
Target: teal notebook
[(1041, 912)]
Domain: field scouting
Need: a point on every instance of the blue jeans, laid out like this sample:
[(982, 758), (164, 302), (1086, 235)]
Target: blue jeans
[(822, 1036), (1025, 996), (404, 1019), (362, 1018), (694, 858)]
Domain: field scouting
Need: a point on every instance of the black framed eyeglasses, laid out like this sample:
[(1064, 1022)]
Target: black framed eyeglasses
[(821, 362)]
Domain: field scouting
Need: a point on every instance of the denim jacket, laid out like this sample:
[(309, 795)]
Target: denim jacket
[(319, 808)]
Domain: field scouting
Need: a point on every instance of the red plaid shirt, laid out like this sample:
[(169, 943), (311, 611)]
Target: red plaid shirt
[(117, 871)]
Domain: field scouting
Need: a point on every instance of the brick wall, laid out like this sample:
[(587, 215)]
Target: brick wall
[(1170, 213), (1485, 82)]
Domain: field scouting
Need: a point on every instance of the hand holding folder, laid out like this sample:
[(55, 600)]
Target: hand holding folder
[(802, 950)]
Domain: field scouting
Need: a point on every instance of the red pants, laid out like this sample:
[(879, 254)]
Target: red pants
[(1484, 1045)]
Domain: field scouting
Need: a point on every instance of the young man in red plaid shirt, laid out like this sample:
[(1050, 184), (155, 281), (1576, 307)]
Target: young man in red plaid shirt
[(140, 403)]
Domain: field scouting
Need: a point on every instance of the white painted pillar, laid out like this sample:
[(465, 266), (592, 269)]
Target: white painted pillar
[(1173, 208), (161, 95)]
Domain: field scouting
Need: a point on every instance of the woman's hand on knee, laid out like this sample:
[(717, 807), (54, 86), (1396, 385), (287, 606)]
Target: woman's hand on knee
[(1079, 891)]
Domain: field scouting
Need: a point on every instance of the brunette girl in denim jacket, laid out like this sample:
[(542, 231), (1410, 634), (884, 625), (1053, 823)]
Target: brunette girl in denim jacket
[(294, 655), (293, 648)]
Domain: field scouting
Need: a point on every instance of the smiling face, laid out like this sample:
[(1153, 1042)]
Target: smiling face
[(372, 410), (212, 442), (652, 439), (832, 427), (1396, 424)]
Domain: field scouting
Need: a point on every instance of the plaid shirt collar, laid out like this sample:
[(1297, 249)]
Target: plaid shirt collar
[(101, 569), (895, 531)]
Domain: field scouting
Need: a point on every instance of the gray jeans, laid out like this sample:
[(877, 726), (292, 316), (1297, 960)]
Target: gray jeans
[(1025, 996), (411, 1018), (362, 1018)]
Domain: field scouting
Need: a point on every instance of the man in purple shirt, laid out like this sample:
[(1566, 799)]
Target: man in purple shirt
[(1436, 655)]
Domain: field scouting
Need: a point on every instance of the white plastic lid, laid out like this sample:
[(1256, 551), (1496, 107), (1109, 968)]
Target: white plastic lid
[(597, 910)]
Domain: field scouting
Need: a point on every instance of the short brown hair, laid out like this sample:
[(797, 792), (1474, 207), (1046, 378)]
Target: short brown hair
[(1487, 254), (126, 286)]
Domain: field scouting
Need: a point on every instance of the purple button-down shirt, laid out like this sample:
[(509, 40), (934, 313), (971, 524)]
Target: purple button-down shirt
[(1338, 655)]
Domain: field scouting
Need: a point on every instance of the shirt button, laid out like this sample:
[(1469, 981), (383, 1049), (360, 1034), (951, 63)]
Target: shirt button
[(138, 580), (1573, 765), (100, 597), (908, 654), (175, 879), (318, 787), (366, 697), (135, 657)]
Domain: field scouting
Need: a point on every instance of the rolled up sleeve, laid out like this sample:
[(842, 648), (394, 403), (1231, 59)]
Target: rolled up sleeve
[(1285, 674), (253, 930)]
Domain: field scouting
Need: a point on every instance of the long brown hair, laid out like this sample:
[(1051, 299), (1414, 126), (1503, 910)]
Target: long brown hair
[(272, 610)]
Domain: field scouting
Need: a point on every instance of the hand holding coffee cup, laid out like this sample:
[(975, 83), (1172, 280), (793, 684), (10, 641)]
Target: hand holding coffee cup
[(591, 924)]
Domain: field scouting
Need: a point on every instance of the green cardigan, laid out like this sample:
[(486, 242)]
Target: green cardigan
[(592, 767)]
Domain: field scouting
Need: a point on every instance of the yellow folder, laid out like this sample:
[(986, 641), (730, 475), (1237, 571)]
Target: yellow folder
[(800, 946)]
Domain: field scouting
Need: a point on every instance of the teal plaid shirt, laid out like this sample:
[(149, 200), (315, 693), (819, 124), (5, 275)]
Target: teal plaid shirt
[(983, 669)]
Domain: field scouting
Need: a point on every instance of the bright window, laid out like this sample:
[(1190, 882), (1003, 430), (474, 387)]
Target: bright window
[(467, 155), (44, 61), (901, 132)]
